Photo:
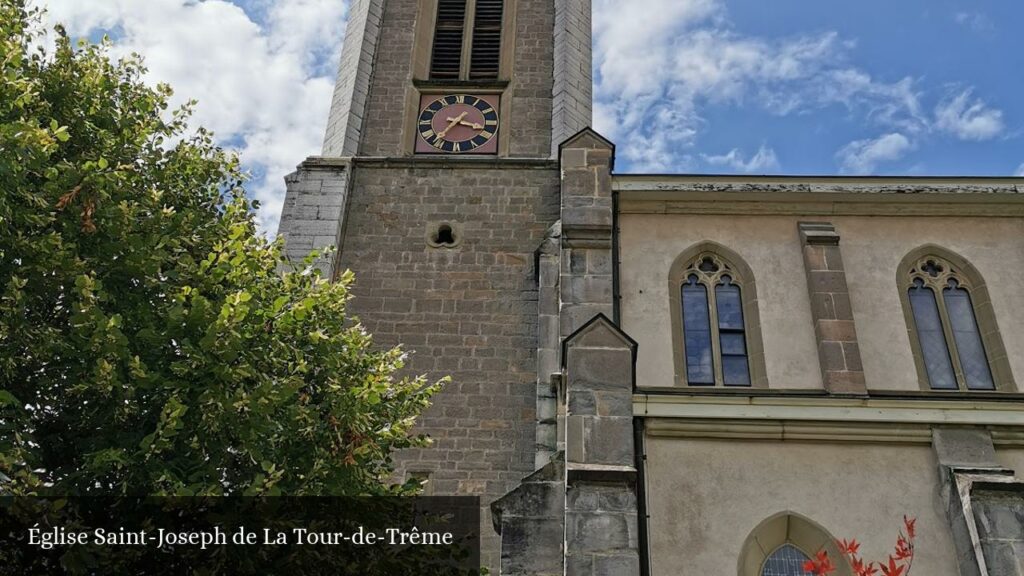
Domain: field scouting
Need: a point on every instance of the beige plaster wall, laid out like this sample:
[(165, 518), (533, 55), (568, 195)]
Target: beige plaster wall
[(706, 496), (872, 249), (769, 245)]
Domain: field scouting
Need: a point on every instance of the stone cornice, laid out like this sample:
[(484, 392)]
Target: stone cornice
[(815, 184), (813, 431), (820, 196), (890, 413)]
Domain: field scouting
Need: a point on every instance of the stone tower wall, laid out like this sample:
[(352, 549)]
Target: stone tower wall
[(530, 89), (345, 123), (469, 312)]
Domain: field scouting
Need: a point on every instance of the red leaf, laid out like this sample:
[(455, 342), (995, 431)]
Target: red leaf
[(892, 569), (850, 547), (909, 523)]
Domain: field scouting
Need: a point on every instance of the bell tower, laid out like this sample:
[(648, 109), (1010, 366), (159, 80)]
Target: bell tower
[(438, 183)]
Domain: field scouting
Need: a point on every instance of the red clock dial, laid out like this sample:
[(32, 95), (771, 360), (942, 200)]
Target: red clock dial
[(457, 124)]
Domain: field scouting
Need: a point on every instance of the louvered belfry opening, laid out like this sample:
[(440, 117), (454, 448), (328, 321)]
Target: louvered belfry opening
[(446, 58), (486, 54)]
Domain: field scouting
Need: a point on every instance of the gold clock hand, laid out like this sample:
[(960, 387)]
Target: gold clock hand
[(472, 125), (451, 124)]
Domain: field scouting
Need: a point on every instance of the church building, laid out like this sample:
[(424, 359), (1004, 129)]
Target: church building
[(664, 375)]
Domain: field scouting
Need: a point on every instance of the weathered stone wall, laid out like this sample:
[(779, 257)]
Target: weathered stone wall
[(602, 531), (999, 514), (391, 78), (314, 206), (573, 99), (469, 311), (530, 522), (586, 279), (984, 503), (345, 123), (550, 415), (529, 123), (530, 88)]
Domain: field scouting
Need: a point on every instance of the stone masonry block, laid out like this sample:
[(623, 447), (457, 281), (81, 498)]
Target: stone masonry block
[(578, 182), (830, 354), (833, 258), (614, 403), (600, 369), (608, 440), (627, 564), (823, 307), (527, 547), (597, 532), (851, 352), (581, 403), (845, 382), (574, 316), (592, 497), (836, 330), (591, 216), (964, 447), (827, 281), (814, 257), (579, 565), (590, 288)]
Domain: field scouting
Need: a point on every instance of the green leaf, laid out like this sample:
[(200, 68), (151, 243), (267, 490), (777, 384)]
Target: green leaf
[(151, 317), (8, 399)]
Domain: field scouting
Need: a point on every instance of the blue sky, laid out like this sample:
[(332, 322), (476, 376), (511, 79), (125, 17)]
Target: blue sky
[(943, 47), (915, 87)]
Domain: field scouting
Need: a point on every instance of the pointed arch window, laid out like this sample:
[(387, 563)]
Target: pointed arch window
[(714, 331), (951, 325), (787, 560), (781, 544)]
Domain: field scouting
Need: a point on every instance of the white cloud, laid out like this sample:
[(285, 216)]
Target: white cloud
[(862, 156), (659, 67), (657, 70), (762, 162), (264, 78), (976, 21), (1020, 170), (968, 120), (264, 89)]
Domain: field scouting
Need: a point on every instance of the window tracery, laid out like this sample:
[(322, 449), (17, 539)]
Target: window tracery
[(714, 332), (947, 327)]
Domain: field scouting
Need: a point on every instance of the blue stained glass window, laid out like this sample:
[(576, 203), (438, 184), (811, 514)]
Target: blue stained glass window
[(931, 337), (787, 560), (732, 338), (700, 368), (730, 308), (969, 347)]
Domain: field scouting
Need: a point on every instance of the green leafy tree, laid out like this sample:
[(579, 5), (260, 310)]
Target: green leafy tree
[(150, 342)]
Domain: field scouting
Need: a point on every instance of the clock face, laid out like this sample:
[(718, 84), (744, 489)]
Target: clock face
[(457, 124)]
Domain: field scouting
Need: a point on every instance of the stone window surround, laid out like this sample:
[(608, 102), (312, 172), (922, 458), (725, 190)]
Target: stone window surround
[(423, 85), (743, 277), (788, 528), (984, 313)]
